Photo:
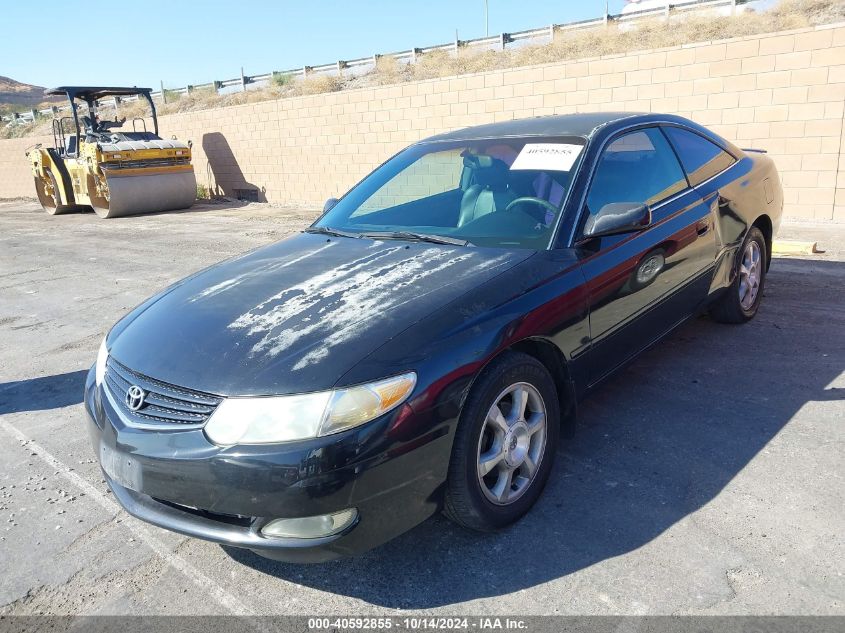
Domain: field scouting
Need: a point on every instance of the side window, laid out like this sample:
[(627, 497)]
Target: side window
[(637, 167), (433, 173), (701, 158)]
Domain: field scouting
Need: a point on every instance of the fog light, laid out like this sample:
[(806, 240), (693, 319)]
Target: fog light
[(311, 527)]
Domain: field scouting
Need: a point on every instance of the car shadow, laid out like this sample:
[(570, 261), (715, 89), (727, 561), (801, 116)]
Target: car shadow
[(656, 443), (43, 393)]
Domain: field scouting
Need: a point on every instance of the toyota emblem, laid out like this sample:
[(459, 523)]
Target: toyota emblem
[(135, 397)]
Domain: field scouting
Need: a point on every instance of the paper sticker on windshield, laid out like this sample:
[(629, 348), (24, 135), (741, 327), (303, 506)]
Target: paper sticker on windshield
[(547, 156)]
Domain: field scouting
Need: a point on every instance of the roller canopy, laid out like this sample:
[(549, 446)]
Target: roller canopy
[(96, 92)]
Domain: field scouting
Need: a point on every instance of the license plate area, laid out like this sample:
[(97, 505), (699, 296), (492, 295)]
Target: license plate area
[(121, 468)]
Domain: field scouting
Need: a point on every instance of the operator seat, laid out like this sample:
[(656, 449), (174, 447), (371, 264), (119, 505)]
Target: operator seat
[(489, 192)]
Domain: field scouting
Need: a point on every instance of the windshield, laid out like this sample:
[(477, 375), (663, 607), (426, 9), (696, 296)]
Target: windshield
[(505, 192)]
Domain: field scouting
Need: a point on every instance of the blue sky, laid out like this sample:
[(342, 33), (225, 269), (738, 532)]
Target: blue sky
[(181, 41)]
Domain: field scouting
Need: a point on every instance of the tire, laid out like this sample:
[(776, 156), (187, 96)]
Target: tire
[(470, 499), (734, 305)]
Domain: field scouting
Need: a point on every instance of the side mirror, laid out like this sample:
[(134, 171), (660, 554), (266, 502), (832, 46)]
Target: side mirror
[(618, 217), (330, 203)]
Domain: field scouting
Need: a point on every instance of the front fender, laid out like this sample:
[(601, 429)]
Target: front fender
[(542, 299)]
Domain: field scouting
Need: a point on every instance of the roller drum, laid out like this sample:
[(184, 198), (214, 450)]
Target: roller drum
[(148, 193)]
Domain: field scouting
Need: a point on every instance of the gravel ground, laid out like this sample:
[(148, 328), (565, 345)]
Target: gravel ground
[(707, 478)]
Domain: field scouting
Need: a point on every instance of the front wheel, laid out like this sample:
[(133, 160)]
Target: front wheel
[(504, 445), (742, 299)]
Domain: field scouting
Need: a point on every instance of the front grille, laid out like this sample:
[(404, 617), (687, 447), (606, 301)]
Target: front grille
[(164, 405)]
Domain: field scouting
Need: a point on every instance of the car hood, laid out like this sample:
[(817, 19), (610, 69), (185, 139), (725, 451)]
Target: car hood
[(295, 316)]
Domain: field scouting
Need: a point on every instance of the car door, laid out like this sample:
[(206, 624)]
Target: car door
[(642, 283)]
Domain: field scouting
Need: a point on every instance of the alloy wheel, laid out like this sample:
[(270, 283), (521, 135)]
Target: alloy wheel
[(512, 443), (750, 272)]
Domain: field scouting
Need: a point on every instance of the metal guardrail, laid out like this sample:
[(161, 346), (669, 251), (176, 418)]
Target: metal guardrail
[(351, 66)]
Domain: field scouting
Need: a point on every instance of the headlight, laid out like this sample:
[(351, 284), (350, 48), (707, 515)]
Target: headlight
[(102, 357), (286, 418)]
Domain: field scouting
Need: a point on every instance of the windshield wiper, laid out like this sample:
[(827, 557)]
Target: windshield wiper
[(417, 237), (326, 230)]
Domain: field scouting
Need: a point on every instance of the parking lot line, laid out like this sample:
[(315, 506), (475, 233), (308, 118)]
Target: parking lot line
[(213, 589)]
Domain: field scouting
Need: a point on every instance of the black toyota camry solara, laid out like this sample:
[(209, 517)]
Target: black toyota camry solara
[(423, 345)]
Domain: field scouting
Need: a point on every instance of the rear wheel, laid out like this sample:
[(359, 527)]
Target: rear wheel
[(504, 445), (47, 189), (742, 299)]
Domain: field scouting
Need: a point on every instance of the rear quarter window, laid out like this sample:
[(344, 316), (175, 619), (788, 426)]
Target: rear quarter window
[(700, 157)]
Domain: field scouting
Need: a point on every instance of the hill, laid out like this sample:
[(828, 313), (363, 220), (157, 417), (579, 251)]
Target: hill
[(20, 94)]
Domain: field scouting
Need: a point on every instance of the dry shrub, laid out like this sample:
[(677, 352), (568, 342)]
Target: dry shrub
[(18, 130), (388, 70), (656, 33), (316, 84), (815, 12), (206, 99), (133, 109), (442, 63)]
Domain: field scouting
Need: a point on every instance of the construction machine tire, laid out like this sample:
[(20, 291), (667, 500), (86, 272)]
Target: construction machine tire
[(131, 195), (50, 202)]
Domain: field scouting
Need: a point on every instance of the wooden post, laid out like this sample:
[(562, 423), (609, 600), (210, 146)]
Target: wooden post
[(243, 80), (163, 93)]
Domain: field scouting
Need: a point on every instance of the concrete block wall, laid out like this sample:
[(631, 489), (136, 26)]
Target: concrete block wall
[(15, 175), (783, 92)]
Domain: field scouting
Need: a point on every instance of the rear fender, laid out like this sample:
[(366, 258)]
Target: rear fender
[(45, 161), (59, 170)]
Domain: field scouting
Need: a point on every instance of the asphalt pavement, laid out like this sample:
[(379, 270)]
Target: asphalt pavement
[(706, 478)]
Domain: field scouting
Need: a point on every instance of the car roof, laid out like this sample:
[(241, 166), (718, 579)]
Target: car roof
[(582, 124), (96, 92)]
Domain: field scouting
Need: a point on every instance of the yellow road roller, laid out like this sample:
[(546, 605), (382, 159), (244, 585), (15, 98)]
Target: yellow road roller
[(117, 167)]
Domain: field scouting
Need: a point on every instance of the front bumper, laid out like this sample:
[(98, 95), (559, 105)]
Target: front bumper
[(178, 480)]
